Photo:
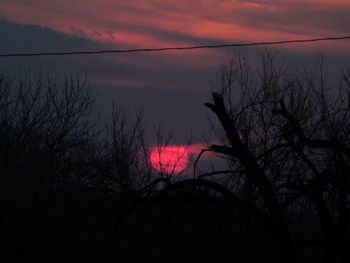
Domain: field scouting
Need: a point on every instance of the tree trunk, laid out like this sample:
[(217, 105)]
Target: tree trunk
[(257, 177)]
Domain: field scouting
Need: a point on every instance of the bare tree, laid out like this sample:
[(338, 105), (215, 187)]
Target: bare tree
[(125, 154), (44, 126), (53, 148), (288, 139), (46, 131)]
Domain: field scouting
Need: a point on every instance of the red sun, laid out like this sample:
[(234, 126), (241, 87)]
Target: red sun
[(169, 159)]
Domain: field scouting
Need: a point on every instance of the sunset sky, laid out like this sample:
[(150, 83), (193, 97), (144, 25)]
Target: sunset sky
[(170, 86)]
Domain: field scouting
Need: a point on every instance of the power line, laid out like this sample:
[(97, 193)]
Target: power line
[(172, 48)]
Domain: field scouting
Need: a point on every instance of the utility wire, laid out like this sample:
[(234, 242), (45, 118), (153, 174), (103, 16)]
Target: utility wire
[(172, 48)]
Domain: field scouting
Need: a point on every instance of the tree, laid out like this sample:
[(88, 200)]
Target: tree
[(56, 157), (286, 138)]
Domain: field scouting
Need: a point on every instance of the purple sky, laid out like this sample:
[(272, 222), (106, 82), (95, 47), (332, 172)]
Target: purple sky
[(170, 86)]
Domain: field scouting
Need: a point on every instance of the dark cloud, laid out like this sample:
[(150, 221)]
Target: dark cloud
[(31, 38), (77, 32)]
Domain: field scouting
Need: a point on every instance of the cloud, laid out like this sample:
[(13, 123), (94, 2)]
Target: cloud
[(167, 90), (165, 22), (78, 32), (301, 17), (31, 38), (172, 85)]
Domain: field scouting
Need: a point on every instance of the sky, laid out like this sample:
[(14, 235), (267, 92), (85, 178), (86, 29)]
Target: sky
[(172, 86)]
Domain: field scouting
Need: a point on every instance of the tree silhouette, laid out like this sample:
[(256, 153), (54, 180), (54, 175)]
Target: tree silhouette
[(76, 189), (287, 138), (54, 152)]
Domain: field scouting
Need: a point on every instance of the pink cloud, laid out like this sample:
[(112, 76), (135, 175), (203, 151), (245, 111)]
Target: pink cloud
[(164, 23), (144, 23)]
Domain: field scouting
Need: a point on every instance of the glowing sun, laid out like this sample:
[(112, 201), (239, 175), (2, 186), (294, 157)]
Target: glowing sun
[(169, 159)]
